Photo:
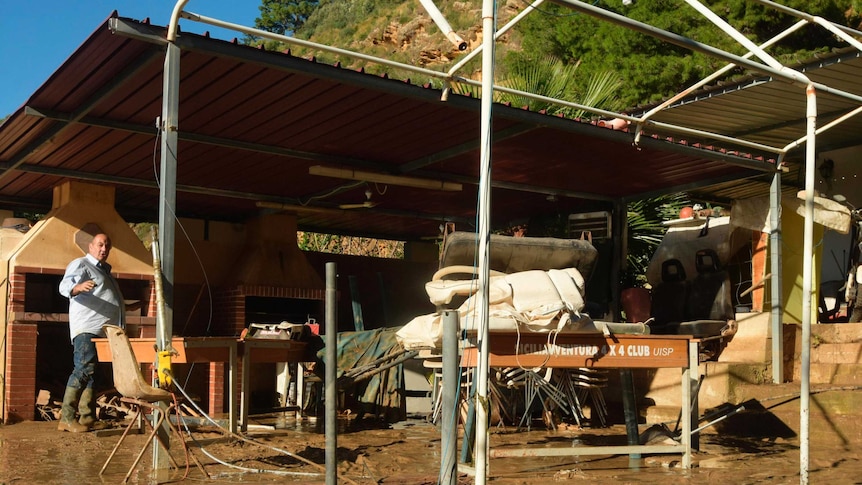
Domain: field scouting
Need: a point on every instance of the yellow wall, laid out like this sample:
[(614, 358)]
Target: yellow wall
[(793, 257)]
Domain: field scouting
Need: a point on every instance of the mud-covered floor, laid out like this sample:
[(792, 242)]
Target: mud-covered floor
[(409, 453)]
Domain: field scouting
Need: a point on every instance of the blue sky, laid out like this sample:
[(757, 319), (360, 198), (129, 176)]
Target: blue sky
[(37, 36)]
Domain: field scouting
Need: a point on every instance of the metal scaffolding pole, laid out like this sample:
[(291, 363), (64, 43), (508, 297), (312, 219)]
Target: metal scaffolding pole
[(168, 136), (776, 283), (481, 449)]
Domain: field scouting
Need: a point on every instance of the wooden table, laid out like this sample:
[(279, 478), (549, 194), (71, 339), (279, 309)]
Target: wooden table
[(256, 351), (597, 351), (218, 349)]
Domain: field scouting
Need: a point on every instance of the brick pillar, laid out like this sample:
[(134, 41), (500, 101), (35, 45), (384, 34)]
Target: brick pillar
[(216, 388), (17, 283), (229, 311), (20, 395), (152, 308)]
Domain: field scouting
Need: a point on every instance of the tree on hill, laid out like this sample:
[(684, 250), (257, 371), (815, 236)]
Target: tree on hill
[(284, 16)]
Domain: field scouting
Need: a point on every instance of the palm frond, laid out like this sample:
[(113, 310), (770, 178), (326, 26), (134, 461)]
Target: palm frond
[(646, 230)]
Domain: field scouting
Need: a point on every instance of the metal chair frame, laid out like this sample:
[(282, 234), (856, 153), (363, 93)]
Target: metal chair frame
[(135, 391)]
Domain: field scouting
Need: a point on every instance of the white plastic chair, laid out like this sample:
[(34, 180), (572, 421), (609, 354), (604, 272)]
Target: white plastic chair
[(134, 389)]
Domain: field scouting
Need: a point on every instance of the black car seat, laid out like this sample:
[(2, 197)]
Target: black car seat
[(709, 295), (669, 298)]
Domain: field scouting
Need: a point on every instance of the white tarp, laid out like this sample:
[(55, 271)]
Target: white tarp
[(534, 301)]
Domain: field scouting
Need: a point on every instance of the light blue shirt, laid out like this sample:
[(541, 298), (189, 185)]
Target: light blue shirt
[(88, 311)]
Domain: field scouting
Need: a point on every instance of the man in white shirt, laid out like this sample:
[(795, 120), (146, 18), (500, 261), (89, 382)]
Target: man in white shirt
[(94, 300)]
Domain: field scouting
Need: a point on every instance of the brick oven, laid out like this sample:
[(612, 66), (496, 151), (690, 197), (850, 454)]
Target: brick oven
[(270, 282), (36, 353)]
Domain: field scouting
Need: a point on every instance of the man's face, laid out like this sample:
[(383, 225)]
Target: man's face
[(100, 247)]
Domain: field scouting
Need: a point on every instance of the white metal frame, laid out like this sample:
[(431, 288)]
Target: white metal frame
[(766, 65)]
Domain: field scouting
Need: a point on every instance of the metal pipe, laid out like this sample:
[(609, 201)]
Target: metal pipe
[(690, 418), (449, 409), (586, 450), (448, 77), (724, 70), (823, 128), (489, 17), (630, 410), (168, 129), (175, 20), (517, 18), (831, 27), (657, 124), (776, 283), (164, 359), (443, 25), (733, 33), (681, 41), (690, 381), (312, 45), (331, 374), (676, 39), (807, 279), (803, 15), (720, 419)]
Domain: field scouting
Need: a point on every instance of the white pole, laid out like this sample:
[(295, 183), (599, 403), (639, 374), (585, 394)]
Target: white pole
[(484, 235), (807, 274)]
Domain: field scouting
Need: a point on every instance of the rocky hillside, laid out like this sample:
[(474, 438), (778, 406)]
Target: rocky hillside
[(403, 31)]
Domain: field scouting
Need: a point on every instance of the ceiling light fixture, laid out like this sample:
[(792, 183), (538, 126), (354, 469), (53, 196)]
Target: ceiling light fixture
[(382, 178), (295, 208)]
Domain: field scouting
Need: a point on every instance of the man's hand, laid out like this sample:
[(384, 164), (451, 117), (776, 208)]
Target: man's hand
[(83, 287)]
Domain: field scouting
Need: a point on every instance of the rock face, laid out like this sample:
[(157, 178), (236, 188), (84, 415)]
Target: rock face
[(408, 30), (419, 38)]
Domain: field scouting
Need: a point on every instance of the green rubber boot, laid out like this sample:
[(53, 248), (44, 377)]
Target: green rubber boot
[(87, 408), (67, 412)]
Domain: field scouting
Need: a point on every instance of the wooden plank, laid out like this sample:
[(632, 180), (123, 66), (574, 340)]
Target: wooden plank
[(189, 349)]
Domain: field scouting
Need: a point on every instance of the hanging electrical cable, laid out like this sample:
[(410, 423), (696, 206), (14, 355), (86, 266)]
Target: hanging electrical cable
[(246, 439)]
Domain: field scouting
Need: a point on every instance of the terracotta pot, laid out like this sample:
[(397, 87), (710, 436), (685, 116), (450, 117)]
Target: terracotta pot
[(636, 304), (615, 124)]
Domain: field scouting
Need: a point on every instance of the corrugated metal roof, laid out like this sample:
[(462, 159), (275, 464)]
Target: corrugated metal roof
[(252, 122), (773, 112)]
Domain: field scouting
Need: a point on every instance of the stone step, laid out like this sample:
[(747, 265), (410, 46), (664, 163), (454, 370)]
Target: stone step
[(773, 410), (722, 381), (830, 373), (835, 353)]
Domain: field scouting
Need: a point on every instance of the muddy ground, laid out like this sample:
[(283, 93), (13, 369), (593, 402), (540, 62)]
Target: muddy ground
[(738, 451)]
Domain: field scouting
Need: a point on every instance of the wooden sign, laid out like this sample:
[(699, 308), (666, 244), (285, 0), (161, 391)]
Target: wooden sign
[(583, 350)]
